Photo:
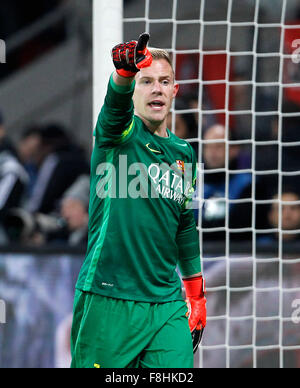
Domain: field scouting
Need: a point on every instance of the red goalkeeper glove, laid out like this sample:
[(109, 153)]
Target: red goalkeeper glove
[(196, 301), (132, 56)]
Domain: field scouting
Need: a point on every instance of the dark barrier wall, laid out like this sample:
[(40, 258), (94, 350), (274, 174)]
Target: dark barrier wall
[(253, 311), (38, 293)]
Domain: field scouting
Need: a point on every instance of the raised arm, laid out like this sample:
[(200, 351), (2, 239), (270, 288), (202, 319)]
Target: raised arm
[(115, 123)]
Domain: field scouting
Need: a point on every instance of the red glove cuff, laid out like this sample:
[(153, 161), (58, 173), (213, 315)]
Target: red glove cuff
[(126, 73), (196, 302), (147, 61), (194, 287)]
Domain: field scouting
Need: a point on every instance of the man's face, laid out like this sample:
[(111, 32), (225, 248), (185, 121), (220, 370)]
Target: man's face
[(154, 92), (74, 212), (29, 148), (215, 153), (290, 213)]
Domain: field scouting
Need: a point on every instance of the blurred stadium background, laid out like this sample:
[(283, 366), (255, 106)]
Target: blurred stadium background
[(238, 105)]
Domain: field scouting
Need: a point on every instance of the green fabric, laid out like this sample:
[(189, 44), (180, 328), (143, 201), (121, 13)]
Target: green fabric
[(121, 89), (136, 241), (112, 333)]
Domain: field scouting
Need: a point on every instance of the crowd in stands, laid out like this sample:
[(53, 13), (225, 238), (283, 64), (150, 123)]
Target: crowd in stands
[(248, 184), (251, 185), (44, 188), (44, 183)]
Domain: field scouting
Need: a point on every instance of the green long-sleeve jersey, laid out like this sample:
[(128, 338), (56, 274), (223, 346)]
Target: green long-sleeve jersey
[(140, 227)]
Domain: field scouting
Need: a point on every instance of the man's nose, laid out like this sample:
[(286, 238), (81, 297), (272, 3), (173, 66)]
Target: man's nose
[(156, 87)]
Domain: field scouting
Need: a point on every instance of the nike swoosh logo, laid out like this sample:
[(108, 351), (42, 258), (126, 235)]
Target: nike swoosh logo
[(153, 150), (182, 145)]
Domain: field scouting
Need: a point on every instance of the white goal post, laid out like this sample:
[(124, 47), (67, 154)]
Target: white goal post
[(254, 295), (107, 32)]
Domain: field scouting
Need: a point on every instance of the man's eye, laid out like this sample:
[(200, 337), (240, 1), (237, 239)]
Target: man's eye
[(165, 82)]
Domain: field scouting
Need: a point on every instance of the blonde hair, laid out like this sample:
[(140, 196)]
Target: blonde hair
[(158, 53)]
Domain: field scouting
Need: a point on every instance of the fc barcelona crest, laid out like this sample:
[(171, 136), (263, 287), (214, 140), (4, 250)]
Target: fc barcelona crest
[(180, 165)]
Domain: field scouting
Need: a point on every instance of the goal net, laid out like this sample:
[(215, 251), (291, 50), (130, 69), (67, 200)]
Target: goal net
[(238, 66)]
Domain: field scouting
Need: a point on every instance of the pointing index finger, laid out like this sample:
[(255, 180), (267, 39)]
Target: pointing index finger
[(143, 41)]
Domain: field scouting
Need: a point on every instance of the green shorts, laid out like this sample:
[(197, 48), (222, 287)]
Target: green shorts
[(115, 333)]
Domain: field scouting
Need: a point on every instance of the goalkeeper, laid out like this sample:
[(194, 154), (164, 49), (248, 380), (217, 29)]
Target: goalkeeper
[(128, 307)]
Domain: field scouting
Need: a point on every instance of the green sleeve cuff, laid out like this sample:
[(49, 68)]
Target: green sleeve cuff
[(121, 89), (189, 267)]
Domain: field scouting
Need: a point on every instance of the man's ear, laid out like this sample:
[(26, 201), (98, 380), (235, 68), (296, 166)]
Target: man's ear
[(2, 131), (234, 151), (176, 88), (273, 217)]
